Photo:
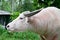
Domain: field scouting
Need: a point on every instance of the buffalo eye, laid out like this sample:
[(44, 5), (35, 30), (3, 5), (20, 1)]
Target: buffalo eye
[(21, 18)]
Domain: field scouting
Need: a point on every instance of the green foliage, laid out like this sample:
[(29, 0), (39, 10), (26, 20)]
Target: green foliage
[(5, 35), (14, 15), (5, 5), (24, 5)]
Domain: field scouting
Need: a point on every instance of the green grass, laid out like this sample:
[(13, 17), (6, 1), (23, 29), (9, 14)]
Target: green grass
[(4, 35)]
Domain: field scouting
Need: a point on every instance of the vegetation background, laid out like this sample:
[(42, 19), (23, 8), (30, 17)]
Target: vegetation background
[(15, 7)]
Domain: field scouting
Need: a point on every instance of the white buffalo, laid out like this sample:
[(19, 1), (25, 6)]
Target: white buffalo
[(45, 22)]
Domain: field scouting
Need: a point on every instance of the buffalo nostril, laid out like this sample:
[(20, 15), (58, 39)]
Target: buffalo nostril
[(7, 26)]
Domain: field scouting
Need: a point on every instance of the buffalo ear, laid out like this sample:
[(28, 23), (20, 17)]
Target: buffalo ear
[(33, 13)]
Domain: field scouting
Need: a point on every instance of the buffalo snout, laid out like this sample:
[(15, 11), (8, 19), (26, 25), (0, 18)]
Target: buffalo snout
[(7, 27)]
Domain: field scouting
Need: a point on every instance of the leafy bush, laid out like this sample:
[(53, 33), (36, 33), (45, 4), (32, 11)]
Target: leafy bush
[(14, 15)]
